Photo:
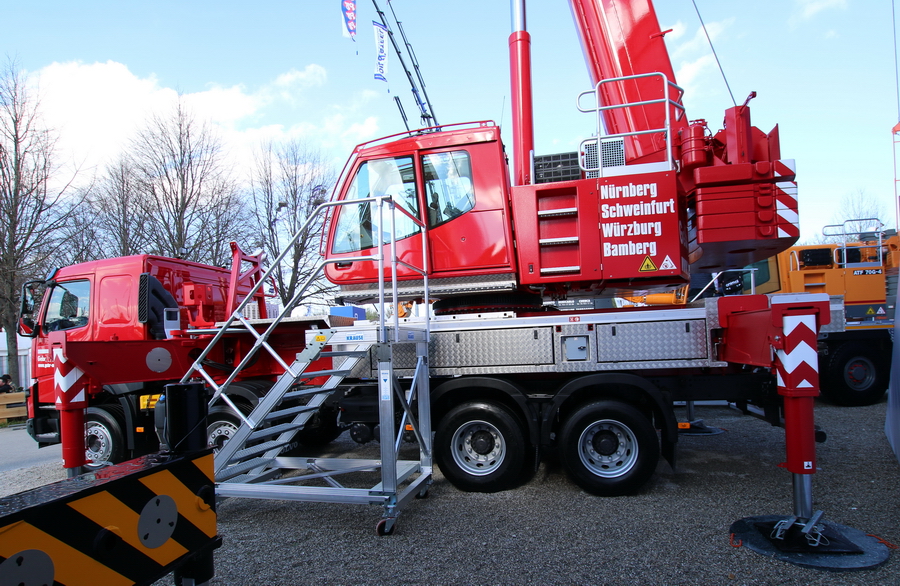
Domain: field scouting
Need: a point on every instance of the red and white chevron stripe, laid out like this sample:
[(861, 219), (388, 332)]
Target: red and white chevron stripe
[(786, 208), (785, 170), (69, 383), (797, 365)]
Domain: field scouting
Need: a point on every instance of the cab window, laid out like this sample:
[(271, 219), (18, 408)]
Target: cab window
[(357, 226), (448, 186), (69, 306)]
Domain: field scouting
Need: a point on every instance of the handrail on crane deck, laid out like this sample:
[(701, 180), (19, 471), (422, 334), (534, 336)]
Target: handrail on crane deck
[(598, 109)]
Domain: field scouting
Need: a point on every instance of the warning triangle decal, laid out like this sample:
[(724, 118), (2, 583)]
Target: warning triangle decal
[(647, 265), (667, 264)]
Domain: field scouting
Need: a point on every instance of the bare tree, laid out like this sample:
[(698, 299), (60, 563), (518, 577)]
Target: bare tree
[(118, 209), (33, 208), (188, 192), (854, 215), (289, 181)]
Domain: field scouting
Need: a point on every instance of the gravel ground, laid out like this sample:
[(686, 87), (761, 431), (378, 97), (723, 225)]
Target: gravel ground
[(550, 532)]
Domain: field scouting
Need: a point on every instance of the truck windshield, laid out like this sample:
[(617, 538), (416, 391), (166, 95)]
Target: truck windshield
[(68, 306), (358, 225)]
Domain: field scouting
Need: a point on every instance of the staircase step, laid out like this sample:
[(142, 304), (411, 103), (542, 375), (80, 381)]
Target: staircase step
[(350, 353), (306, 392), (318, 373), (257, 449), (274, 430), (287, 412), (266, 476), (237, 469)]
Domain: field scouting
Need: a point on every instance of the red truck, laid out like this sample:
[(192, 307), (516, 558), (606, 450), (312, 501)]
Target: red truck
[(109, 334)]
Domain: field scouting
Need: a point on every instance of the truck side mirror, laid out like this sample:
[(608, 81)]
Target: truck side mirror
[(32, 292)]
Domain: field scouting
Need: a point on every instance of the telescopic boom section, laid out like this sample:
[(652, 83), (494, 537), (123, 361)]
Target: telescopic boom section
[(622, 39)]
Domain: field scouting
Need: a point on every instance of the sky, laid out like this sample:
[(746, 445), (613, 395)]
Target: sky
[(824, 71)]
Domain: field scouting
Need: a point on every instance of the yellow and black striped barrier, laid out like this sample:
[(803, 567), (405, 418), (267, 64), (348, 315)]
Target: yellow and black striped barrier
[(132, 523)]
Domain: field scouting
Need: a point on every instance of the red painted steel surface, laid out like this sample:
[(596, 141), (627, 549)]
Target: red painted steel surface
[(476, 242), (624, 228), (522, 106), (623, 38)]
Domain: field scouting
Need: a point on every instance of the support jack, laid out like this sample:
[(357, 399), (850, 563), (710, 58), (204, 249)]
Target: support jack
[(695, 426), (803, 538), (827, 546)]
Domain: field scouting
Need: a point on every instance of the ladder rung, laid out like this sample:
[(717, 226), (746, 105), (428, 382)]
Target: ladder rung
[(286, 412), (305, 392), (254, 479), (318, 373), (232, 471), (350, 353), (555, 270), (558, 212), (558, 241), (274, 430), (256, 450)]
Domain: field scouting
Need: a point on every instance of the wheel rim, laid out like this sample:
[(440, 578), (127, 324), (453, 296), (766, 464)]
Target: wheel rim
[(219, 432), (608, 448), (99, 442), (478, 448), (859, 373)]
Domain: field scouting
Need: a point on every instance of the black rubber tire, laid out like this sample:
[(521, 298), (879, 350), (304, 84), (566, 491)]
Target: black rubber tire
[(104, 436), (221, 423), (609, 448), (321, 429), (856, 375), (496, 462)]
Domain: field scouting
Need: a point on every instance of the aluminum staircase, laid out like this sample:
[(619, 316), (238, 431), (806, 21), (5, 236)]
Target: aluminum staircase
[(251, 463)]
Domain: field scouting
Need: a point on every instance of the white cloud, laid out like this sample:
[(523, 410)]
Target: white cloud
[(312, 76), (699, 43), (809, 8), (96, 108), (224, 106)]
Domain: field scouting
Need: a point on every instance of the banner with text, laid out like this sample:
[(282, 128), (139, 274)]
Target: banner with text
[(381, 51)]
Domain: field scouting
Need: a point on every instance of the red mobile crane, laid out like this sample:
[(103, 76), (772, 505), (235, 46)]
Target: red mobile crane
[(654, 197)]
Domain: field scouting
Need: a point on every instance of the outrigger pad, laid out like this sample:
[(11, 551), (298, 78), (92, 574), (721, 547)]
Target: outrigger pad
[(846, 548)]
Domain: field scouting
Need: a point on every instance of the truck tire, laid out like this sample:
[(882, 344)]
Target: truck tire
[(856, 375), (609, 448), (480, 447), (321, 429), (221, 424), (104, 438)]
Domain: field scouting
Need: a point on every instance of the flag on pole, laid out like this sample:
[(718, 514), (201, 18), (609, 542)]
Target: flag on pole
[(381, 52), (348, 7)]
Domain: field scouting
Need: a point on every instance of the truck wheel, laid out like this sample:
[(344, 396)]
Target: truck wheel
[(480, 447), (221, 425), (855, 376), (104, 439), (609, 448), (321, 429)]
